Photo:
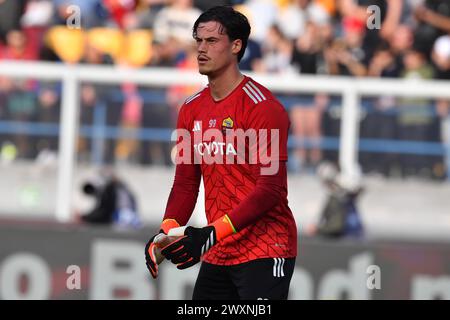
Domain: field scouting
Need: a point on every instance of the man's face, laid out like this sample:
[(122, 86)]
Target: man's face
[(215, 51), (402, 39)]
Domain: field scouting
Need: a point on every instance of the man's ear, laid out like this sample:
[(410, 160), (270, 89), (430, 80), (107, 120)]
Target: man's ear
[(236, 46)]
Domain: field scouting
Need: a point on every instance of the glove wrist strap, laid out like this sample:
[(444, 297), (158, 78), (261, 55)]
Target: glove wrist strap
[(168, 224), (224, 227)]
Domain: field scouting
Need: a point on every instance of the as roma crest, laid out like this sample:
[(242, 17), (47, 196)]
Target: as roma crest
[(227, 123)]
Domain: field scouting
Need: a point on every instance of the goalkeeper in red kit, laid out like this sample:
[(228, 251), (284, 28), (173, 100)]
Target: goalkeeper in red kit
[(249, 246)]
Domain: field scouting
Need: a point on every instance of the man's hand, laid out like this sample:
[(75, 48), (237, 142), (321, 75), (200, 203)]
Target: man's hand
[(187, 250)]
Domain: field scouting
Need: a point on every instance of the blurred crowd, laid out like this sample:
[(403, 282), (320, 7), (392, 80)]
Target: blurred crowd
[(408, 39)]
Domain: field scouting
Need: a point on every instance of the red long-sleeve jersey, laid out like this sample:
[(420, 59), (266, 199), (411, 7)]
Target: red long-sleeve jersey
[(230, 142)]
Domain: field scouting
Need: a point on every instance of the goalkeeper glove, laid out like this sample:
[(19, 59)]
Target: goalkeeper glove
[(153, 255), (188, 250)]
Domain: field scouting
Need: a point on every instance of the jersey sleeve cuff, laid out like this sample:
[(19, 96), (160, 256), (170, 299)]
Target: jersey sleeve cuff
[(168, 224), (224, 227)]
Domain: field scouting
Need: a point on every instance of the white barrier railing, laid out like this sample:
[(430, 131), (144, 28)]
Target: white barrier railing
[(351, 90)]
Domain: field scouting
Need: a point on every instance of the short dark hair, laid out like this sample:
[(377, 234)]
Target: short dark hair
[(235, 24)]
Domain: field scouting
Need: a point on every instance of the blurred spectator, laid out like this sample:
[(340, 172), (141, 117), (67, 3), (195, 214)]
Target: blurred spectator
[(130, 121), (172, 32), (17, 47), (416, 115), (399, 43), (434, 21), (48, 112), (390, 15), (35, 21), (306, 120), (21, 108), (347, 56), (88, 101), (115, 203), (261, 15), (174, 23), (10, 13), (307, 50), (379, 121), (390, 18), (166, 54), (383, 63), (19, 99), (156, 115), (147, 11), (93, 111), (120, 11), (308, 55), (294, 18), (277, 52)]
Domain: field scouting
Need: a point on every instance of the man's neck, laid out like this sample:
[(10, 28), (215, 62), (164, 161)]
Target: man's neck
[(224, 84)]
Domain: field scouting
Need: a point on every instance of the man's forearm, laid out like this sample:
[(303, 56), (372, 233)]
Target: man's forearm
[(437, 20), (184, 193)]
